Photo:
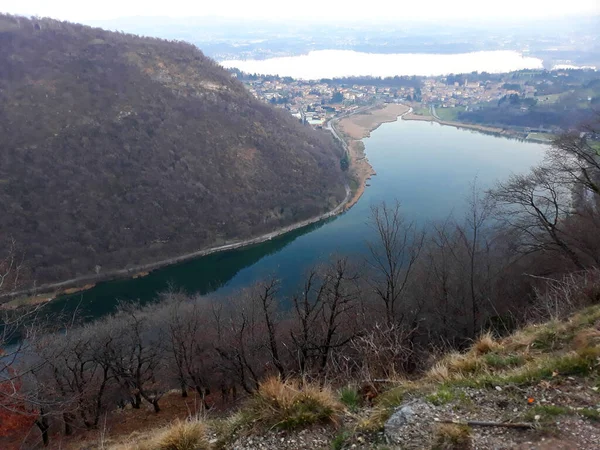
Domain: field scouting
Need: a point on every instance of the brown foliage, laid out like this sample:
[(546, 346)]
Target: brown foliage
[(119, 150)]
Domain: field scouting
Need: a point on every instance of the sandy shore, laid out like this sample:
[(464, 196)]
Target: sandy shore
[(358, 126)]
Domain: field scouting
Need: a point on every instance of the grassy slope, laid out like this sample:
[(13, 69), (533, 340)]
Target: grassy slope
[(547, 375)]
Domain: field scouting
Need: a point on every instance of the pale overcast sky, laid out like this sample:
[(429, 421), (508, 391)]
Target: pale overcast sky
[(80, 10)]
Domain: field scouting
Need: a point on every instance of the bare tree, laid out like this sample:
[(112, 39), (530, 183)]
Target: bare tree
[(575, 158), (557, 206), (189, 342), (11, 268), (307, 306), (384, 353), (19, 329), (339, 308), (475, 243), (443, 273), (80, 375), (536, 206), (325, 315), (133, 353), (242, 342), (12, 322), (266, 297), (393, 257)]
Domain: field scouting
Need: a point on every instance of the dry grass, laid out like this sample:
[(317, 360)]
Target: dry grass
[(587, 317), (440, 372), (534, 353), (452, 437), (586, 338), (291, 404), (180, 435), (554, 347), (456, 365), (485, 344)]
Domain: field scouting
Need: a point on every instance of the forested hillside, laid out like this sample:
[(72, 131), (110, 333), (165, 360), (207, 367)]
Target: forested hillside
[(117, 150)]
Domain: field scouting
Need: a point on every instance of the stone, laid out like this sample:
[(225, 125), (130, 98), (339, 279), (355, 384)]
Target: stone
[(404, 418)]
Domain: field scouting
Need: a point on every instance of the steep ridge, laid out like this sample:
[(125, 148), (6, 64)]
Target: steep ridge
[(117, 150)]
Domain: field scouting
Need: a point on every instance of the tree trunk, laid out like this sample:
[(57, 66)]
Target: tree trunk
[(137, 401), (68, 420), (184, 392), (42, 424)]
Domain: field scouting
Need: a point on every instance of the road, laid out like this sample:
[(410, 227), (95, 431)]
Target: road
[(329, 124)]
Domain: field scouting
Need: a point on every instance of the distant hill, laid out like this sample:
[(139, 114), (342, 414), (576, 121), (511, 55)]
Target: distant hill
[(117, 150)]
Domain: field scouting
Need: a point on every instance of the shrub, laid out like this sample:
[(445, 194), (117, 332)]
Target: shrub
[(502, 362), (340, 440), (183, 435), (180, 435), (585, 340), (457, 365), (485, 344), (350, 398), (452, 437), (291, 404), (442, 396)]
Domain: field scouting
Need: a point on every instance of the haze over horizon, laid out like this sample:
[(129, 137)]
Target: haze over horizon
[(333, 11)]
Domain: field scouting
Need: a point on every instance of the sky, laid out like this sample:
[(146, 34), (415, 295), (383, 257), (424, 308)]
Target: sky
[(332, 10)]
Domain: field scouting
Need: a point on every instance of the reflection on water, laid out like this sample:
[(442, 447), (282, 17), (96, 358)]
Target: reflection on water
[(344, 63), (201, 276), (426, 166)]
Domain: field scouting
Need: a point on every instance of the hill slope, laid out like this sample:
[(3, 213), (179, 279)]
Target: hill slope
[(536, 389), (121, 150)]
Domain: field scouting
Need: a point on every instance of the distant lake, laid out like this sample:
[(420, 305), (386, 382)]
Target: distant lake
[(426, 166), (343, 63)]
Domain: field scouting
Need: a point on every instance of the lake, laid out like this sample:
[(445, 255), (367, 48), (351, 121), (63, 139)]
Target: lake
[(426, 166), (343, 63)]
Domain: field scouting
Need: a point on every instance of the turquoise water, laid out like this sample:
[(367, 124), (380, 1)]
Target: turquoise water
[(428, 167)]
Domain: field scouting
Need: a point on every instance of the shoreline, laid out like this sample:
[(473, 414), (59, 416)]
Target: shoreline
[(486, 129), (50, 291), (350, 129), (357, 126)]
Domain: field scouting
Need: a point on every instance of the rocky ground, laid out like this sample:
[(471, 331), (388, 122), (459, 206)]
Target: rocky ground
[(561, 414)]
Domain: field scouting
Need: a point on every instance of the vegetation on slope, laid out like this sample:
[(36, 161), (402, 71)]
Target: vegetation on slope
[(358, 324), (545, 375), (562, 99), (119, 150)]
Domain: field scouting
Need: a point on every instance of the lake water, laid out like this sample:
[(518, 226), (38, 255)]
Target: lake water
[(426, 166), (343, 63)]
